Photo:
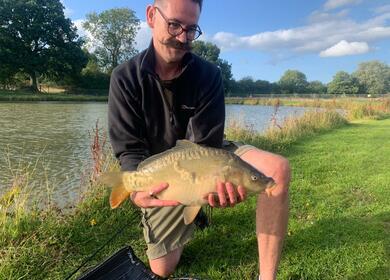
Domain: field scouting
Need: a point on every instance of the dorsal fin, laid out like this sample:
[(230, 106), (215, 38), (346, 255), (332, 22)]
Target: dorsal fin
[(180, 144), (184, 143)]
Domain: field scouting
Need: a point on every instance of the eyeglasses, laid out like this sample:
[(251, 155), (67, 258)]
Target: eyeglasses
[(175, 28)]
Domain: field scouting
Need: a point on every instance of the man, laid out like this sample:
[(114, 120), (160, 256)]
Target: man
[(166, 93)]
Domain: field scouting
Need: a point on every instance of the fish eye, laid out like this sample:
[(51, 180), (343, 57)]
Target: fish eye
[(254, 178)]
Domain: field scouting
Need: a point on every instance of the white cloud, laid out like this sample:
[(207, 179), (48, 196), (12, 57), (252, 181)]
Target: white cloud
[(142, 39), (382, 9), (323, 31), (334, 4), (343, 48)]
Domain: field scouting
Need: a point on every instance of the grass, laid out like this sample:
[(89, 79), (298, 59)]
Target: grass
[(339, 221), (279, 137), (25, 96)]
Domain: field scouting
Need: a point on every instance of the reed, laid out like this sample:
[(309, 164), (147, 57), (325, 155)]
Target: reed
[(278, 136), (356, 108)]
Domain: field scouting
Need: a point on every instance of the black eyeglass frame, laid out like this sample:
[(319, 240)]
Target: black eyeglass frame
[(174, 25)]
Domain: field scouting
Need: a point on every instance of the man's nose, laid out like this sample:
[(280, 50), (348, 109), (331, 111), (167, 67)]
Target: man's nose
[(182, 37)]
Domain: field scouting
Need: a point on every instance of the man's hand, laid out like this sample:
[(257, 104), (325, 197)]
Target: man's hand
[(226, 195), (149, 199)]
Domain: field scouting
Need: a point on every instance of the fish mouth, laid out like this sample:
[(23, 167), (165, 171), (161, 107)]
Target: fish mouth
[(271, 186)]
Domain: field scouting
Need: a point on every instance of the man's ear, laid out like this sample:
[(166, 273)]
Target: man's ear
[(150, 13)]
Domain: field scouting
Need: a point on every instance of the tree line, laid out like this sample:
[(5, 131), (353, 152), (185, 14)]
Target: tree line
[(39, 44)]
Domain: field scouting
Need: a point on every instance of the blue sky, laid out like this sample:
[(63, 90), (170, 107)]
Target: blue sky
[(263, 39)]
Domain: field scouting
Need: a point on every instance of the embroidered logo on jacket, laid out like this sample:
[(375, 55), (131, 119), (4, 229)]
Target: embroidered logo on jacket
[(185, 107)]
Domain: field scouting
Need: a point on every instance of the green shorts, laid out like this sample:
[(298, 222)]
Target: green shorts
[(163, 227)]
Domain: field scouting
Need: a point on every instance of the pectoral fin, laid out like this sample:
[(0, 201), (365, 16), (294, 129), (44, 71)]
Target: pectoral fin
[(190, 213)]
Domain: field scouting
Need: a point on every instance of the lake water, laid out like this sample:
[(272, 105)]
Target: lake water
[(49, 143)]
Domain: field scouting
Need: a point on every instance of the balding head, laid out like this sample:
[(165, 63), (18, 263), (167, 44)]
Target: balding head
[(162, 3)]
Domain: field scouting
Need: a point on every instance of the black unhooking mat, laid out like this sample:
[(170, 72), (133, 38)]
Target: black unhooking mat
[(123, 265)]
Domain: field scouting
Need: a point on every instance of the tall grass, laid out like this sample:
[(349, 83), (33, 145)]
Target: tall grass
[(372, 110), (278, 137), (356, 108)]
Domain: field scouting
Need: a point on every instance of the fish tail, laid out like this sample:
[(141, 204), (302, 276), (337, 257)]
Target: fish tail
[(119, 192)]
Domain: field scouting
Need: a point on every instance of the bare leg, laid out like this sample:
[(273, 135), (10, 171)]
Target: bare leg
[(166, 265), (271, 212)]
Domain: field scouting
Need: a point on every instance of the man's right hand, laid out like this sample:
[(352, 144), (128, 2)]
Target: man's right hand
[(149, 199)]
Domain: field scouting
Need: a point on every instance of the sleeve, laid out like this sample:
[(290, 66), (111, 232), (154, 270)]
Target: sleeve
[(207, 124), (125, 125)]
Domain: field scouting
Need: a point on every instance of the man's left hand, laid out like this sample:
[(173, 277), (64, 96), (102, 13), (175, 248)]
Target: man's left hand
[(227, 195)]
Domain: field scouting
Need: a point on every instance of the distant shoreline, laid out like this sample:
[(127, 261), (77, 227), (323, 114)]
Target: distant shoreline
[(24, 96)]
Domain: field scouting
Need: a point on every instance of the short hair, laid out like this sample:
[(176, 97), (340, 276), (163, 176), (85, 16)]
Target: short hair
[(199, 2)]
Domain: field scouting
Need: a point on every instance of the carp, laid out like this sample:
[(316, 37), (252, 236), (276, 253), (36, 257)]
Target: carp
[(192, 171)]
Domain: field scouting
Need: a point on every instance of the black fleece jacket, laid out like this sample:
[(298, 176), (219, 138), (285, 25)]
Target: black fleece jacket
[(147, 115)]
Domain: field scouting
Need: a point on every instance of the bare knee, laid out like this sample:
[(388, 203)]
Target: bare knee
[(162, 271), (283, 174), (166, 265)]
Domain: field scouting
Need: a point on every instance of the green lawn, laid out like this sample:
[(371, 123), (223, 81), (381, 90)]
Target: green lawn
[(339, 226), (340, 214)]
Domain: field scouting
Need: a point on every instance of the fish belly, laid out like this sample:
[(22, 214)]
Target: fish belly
[(186, 186)]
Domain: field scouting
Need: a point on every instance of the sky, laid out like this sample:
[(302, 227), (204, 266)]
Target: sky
[(264, 38)]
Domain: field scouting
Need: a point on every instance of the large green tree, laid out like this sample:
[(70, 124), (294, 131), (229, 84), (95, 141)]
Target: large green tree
[(37, 39), (293, 81), (210, 52), (113, 33), (374, 76), (343, 83)]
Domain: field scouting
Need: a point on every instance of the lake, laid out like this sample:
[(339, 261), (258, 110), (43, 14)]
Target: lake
[(49, 143)]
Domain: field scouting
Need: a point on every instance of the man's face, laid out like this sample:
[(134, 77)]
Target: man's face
[(186, 13)]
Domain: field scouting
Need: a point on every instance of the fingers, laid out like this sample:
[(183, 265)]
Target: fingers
[(241, 193), (149, 199), (160, 188), (231, 193), (162, 203), (211, 199), (227, 195), (221, 194)]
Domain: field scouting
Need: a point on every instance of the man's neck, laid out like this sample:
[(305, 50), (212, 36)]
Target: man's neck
[(167, 71)]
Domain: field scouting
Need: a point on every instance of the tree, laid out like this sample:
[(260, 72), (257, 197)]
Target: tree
[(263, 87), (374, 76), (293, 81), (316, 87), (210, 52), (343, 83), (113, 33), (36, 39), (246, 86)]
